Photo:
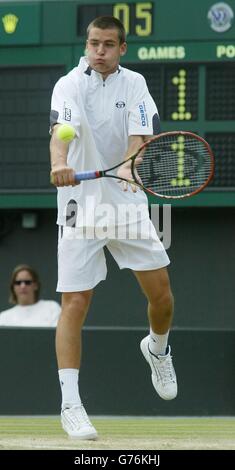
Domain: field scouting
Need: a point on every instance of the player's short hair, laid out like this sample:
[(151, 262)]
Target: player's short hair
[(108, 22), (35, 278)]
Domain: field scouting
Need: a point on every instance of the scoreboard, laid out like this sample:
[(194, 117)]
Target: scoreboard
[(185, 50), (137, 17), (201, 98)]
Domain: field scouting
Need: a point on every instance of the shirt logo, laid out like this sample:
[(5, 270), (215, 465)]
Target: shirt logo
[(66, 113), (120, 104), (143, 114)]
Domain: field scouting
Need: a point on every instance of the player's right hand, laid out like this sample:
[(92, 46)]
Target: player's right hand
[(63, 176)]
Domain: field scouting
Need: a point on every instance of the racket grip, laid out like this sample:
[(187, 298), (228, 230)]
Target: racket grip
[(87, 175)]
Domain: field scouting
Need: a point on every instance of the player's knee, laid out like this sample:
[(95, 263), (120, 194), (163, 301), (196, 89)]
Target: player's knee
[(163, 300), (76, 302), (168, 303)]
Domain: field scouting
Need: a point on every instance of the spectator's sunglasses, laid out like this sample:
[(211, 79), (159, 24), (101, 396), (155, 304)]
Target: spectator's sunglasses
[(27, 282)]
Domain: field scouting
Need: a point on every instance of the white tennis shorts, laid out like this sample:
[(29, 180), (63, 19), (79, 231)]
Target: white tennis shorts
[(81, 259)]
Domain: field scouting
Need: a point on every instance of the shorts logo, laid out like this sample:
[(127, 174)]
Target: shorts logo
[(66, 113), (120, 104), (220, 17)]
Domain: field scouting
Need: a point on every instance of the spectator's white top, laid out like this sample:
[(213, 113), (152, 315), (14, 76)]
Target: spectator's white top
[(42, 313), (104, 114)]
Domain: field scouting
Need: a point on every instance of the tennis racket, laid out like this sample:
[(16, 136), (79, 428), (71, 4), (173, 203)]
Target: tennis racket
[(174, 165)]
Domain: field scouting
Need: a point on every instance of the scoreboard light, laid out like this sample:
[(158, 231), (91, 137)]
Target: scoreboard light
[(180, 81)]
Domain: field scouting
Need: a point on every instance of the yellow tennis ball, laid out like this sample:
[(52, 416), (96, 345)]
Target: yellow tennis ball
[(66, 132)]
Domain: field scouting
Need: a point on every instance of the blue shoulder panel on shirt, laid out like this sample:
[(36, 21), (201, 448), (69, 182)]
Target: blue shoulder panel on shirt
[(156, 124)]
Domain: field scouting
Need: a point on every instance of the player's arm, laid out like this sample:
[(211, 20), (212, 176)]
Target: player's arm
[(63, 109), (134, 143), (143, 117), (143, 123), (61, 173), (147, 137)]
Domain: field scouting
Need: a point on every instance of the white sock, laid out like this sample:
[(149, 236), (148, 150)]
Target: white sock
[(69, 387), (158, 343)]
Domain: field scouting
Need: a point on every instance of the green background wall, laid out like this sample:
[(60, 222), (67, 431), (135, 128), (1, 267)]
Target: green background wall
[(202, 256), (114, 378)]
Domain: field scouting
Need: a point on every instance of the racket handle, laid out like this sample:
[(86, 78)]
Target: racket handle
[(87, 175)]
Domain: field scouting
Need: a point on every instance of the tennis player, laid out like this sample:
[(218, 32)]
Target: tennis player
[(113, 113)]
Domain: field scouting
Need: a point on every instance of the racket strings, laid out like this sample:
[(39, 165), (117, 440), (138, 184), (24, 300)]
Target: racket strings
[(177, 166)]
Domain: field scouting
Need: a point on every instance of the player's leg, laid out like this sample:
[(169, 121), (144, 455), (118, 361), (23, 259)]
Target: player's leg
[(81, 265), (68, 334), (68, 344), (68, 349), (156, 287), (155, 284), (147, 258)]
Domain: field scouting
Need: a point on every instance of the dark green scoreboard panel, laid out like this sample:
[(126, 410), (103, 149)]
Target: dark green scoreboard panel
[(179, 91), (137, 17), (187, 55)]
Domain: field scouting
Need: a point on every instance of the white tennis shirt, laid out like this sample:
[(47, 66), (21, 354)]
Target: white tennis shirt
[(42, 313), (104, 114)]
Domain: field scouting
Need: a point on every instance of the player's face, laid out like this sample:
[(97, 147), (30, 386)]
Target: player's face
[(24, 288), (104, 50)]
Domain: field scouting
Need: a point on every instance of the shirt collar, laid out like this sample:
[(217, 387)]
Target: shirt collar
[(89, 71)]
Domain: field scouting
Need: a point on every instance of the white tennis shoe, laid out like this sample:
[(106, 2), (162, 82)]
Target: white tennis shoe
[(163, 373), (77, 424)]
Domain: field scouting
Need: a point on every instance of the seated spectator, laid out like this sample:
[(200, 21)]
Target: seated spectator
[(29, 310)]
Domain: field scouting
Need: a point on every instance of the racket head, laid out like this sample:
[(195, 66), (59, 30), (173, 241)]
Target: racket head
[(175, 165)]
